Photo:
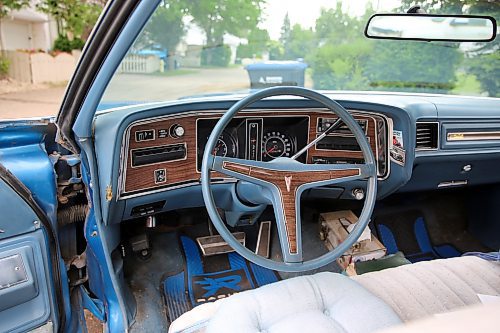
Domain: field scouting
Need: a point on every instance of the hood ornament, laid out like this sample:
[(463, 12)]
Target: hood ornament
[(288, 182)]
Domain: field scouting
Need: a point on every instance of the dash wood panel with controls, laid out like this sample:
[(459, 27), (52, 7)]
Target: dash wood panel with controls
[(165, 152)]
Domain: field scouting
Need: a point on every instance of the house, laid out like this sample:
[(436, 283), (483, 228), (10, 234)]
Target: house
[(27, 29)]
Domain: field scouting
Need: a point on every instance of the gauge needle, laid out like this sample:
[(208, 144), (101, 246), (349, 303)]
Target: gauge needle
[(330, 129), (273, 148)]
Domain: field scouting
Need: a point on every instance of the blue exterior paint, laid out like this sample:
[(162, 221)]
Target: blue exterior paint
[(22, 152), (101, 282)]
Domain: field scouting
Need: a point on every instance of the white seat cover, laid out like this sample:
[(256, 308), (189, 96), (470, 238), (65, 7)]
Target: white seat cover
[(325, 302), (329, 302), (426, 288)]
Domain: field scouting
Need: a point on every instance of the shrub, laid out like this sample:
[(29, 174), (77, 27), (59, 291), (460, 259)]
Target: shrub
[(63, 44), (216, 56), (4, 67)]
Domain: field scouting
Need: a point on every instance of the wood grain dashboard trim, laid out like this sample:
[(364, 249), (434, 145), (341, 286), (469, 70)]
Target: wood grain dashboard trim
[(139, 180)]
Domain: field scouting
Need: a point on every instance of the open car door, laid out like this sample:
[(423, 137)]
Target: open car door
[(31, 292)]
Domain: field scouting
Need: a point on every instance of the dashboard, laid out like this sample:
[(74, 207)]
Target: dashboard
[(148, 155), (166, 152)]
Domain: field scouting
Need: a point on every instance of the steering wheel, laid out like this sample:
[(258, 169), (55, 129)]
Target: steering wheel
[(282, 181)]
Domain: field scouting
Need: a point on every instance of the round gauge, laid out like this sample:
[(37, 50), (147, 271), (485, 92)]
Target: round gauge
[(275, 144), (226, 146)]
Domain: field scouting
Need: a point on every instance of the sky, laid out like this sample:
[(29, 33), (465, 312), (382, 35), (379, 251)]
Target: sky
[(303, 12)]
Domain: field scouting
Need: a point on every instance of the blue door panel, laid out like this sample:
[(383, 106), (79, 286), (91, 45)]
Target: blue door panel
[(26, 305), (27, 298)]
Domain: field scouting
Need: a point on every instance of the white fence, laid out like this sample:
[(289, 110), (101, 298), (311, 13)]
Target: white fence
[(134, 63), (41, 67)]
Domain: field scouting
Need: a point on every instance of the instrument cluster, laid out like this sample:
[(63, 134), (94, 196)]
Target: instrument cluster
[(259, 139)]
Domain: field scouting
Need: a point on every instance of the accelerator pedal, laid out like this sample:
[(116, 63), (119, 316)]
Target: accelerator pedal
[(212, 245), (264, 239)]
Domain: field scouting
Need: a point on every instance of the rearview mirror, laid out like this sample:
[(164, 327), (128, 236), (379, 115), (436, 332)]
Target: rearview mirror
[(455, 28)]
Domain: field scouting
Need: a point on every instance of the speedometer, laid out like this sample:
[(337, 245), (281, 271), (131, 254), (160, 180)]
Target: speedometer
[(275, 144)]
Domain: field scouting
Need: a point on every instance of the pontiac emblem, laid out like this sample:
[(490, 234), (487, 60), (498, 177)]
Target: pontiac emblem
[(288, 182)]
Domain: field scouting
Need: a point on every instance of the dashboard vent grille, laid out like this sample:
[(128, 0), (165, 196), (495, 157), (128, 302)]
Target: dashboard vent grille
[(427, 136)]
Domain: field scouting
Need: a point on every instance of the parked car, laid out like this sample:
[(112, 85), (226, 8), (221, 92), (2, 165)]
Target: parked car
[(362, 203)]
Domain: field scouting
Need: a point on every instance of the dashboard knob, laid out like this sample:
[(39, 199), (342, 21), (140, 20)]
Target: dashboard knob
[(358, 193), (177, 131)]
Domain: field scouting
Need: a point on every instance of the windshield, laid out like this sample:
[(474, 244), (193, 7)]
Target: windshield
[(199, 48)]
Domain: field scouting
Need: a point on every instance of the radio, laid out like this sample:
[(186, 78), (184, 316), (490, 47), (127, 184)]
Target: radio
[(167, 153)]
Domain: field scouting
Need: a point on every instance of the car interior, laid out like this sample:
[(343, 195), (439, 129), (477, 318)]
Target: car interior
[(438, 203), (188, 231), (277, 209)]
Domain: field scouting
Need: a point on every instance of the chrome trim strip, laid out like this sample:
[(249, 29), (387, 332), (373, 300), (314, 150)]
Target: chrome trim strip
[(452, 183), (472, 136)]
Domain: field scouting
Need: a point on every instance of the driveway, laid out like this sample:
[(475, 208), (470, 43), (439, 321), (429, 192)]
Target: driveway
[(26, 101), (31, 103), (157, 87), (45, 100)]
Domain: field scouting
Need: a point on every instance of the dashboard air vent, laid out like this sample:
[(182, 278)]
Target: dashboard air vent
[(427, 135)]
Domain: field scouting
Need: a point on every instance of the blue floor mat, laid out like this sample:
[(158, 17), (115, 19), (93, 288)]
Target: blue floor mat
[(194, 285), (426, 250)]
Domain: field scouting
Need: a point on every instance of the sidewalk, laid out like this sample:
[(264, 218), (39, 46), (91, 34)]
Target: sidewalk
[(36, 101)]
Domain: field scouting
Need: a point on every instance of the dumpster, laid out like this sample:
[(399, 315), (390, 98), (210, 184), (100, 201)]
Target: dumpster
[(276, 73)]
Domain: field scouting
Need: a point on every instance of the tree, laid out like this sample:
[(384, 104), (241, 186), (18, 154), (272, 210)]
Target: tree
[(218, 17), (339, 61), (484, 60), (285, 32), (481, 60), (7, 6), (74, 18), (301, 43), (258, 40), (166, 28), (413, 66)]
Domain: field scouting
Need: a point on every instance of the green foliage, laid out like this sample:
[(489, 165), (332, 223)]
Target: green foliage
[(217, 17), (340, 60), (341, 66), (347, 60), (302, 43), (285, 31), (74, 18), (166, 26), (486, 68), (276, 50), (6, 6), (4, 67), (484, 62), (413, 66), (216, 56), (63, 44), (258, 41)]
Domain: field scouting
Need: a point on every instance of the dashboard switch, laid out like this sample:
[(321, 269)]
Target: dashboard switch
[(176, 131)]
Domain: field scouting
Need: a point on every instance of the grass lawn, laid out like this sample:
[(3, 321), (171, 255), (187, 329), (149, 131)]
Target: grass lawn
[(467, 84)]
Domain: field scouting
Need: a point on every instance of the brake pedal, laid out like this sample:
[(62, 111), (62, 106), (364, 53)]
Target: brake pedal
[(212, 245), (264, 239)]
